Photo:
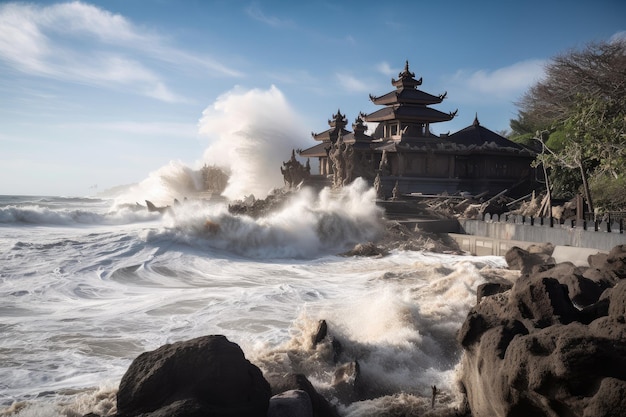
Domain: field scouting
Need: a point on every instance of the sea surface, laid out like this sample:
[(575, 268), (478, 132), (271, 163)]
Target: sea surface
[(87, 284)]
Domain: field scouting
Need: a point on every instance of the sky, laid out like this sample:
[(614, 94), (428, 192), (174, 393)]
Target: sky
[(99, 94)]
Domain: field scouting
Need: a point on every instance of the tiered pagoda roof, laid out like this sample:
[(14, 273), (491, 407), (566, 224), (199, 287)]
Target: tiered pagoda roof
[(358, 138), (337, 125), (407, 103)]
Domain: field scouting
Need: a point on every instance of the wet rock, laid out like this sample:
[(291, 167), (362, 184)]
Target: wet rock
[(368, 249), (543, 301), (491, 288), (597, 260), (204, 376), (320, 333), (581, 290), (294, 403), (346, 382), (530, 351), (282, 383), (524, 261)]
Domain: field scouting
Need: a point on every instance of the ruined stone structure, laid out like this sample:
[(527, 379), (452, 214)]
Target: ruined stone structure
[(405, 155)]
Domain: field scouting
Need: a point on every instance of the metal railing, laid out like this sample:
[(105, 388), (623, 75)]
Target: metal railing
[(611, 224)]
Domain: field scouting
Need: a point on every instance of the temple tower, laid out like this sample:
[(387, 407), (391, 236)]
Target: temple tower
[(406, 116)]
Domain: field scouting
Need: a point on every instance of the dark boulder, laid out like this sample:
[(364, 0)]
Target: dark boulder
[(581, 290), (525, 261), (204, 376), (283, 383), (491, 288), (294, 403), (529, 351)]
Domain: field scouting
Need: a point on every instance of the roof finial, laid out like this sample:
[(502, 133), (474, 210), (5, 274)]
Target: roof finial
[(476, 122)]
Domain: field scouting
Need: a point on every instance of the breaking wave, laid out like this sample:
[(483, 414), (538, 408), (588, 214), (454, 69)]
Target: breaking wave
[(308, 225)]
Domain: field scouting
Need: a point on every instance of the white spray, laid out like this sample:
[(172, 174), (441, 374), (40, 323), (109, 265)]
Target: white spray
[(252, 133)]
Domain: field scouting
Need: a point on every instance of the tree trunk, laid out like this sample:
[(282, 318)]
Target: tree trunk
[(583, 174)]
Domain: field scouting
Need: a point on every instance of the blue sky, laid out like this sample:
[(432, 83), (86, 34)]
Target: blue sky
[(104, 93)]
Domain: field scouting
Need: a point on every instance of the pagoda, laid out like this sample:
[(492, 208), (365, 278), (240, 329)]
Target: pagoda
[(406, 117), (338, 136), (402, 154)]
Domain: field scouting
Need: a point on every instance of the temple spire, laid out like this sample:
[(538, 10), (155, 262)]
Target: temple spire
[(476, 122), (406, 78)]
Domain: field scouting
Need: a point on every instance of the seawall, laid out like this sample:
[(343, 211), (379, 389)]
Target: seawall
[(600, 236), (495, 237)]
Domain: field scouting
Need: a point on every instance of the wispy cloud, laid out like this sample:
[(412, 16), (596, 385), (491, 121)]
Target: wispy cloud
[(502, 83), (254, 11), (619, 36), (152, 129), (351, 83), (81, 43), (385, 69)]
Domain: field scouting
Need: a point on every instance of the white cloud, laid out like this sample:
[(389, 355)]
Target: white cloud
[(255, 12), (619, 36), (352, 84), (502, 83), (77, 42), (385, 68)]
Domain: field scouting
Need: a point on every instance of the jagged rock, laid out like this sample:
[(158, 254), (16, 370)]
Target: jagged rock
[(597, 260), (609, 401), (615, 263), (320, 333), (524, 261), (581, 290), (530, 352), (369, 249), (346, 382), (541, 248), (204, 376), (617, 296), (491, 288), (293, 403), (543, 301), (283, 383)]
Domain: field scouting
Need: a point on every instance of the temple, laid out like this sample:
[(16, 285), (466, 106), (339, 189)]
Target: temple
[(402, 155)]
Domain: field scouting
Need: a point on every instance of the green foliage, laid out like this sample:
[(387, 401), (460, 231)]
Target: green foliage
[(599, 125), (565, 183), (609, 193), (527, 139), (557, 140), (581, 102)]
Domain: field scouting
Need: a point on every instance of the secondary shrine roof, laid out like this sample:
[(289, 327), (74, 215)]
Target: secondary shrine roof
[(329, 135), (316, 151), (477, 135), (337, 124)]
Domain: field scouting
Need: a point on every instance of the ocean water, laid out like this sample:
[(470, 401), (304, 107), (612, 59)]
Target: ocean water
[(87, 284)]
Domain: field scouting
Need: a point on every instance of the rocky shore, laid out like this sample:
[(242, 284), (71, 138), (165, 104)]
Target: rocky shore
[(550, 343), (549, 340)]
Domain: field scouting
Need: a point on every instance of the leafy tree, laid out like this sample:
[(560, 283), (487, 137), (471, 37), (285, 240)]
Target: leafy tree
[(597, 71), (581, 103)]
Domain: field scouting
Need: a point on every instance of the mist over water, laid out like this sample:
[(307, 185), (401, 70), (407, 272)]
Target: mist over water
[(172, 181)]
